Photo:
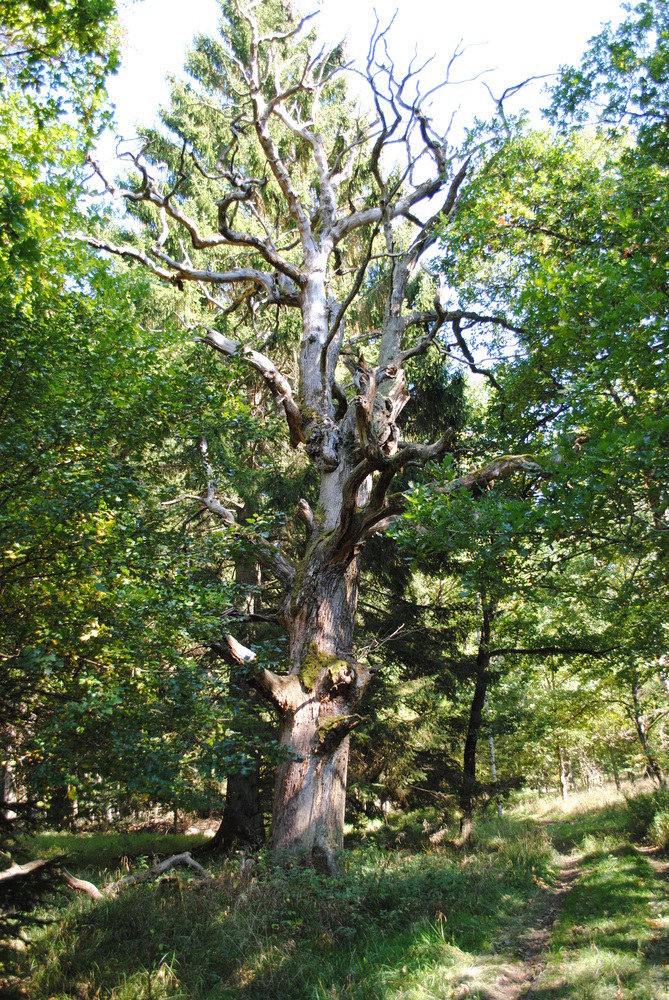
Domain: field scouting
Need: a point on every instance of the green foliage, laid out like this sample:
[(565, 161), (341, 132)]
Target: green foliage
[(61, 52), (647, 817), (623, 79)]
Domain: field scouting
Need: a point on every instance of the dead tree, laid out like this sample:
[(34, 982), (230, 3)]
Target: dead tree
[(333, 194)]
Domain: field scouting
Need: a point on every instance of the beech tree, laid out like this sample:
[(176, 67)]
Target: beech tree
[(320, 210)]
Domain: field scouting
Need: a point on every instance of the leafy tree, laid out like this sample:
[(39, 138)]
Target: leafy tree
[(99, 676), (623, 80)]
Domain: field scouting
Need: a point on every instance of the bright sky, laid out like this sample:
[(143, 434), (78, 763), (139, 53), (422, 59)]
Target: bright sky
[(514, 39)]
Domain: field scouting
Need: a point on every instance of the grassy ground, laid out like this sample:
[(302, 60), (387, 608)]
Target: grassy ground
[(403, 922), (611, 938)]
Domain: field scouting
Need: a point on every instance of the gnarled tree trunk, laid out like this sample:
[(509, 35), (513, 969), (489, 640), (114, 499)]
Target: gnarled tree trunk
[(319, 714)]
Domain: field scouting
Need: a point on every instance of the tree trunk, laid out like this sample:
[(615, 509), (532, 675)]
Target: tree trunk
[(614, 767), (652, 765), (493, 766), (468, 785), (310, 792), (243, 821), (565, 784), (60, 813)]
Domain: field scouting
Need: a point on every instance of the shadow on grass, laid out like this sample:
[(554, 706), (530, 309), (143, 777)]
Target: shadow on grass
[(396, 922)]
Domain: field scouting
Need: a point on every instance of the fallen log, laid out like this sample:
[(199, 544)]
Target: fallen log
[(16, 871), (81, 885)]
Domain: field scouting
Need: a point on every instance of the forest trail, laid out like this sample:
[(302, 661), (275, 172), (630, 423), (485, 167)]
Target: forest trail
[(600, 928), (517, 979)]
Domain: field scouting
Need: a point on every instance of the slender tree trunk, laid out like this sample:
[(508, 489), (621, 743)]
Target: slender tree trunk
[(652, 765), (7, 795), (664, 674), (614, 768), (468, 785), (565, 772), (493, 766)]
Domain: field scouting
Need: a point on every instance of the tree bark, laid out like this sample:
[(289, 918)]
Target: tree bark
[(243, 820), (317, 717), (614, 768), (565, 771), (493, 765)]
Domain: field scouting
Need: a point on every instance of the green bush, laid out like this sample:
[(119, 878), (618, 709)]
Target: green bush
[(642, 813), (659, 830)]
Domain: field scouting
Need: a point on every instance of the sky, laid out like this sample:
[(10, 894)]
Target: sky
[(510, 39)]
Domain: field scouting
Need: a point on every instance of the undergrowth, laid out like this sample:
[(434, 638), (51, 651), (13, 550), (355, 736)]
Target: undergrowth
[(272, 932), (401, 920)]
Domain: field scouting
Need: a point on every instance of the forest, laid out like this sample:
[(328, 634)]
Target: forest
[(333, 520)]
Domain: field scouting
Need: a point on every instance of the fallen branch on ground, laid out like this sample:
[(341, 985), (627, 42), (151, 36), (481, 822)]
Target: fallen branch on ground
[(30, 870), (184, 860)]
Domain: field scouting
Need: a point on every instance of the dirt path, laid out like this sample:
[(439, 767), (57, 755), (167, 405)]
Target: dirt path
[(518, 978)]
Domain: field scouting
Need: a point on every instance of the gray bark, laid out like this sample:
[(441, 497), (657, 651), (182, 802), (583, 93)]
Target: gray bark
[(493, 765)]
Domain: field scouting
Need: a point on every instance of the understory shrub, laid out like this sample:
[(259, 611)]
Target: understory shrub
[(648, 817)]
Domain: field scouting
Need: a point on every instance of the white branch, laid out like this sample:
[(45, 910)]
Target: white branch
[(278, 383)]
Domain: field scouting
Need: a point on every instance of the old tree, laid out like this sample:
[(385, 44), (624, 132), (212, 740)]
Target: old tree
[(273, 197)]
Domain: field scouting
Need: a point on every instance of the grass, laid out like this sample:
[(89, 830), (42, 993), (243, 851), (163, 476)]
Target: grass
[(610, 939), (608, 942), (99, 851), (403, 922)]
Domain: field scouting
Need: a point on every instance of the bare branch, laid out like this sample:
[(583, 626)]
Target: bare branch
[(499, 468), (278, 383), (182, 271), (464, 347), (242, 189), (184, 860)]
